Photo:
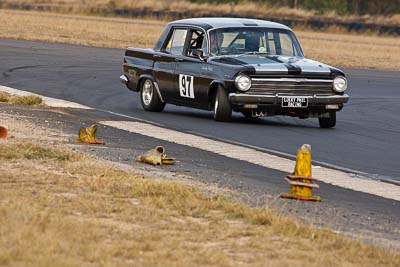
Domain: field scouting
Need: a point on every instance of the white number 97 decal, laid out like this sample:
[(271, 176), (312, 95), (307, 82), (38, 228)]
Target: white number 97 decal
[(186, 86)]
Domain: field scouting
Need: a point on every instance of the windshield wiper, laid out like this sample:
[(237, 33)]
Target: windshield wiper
[(254, 53), (246, 53), (222, 56)]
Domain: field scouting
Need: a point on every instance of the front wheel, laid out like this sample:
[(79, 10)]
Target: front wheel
[(222, 106), (149, 97), (329, 121)]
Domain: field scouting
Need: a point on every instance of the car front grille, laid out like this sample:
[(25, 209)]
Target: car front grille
[(291, 86)]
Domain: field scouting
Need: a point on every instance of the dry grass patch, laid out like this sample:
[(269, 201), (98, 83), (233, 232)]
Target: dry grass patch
[(349, 50), (33, 152), (80, 30), (79, 212), (20, 100), (243, 8), (352, 50)]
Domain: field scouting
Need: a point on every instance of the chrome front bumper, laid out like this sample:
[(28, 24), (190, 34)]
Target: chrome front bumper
[(239, 99)]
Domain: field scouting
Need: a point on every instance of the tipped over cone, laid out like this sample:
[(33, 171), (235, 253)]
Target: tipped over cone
[(156, 156), (88, 135), (3, 132)]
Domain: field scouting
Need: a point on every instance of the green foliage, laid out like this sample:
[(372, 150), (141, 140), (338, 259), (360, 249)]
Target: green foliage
[(340, 6), (215, 1), (372, 7)]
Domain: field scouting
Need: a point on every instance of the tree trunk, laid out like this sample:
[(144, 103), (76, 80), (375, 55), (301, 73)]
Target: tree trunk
[(357, 7)]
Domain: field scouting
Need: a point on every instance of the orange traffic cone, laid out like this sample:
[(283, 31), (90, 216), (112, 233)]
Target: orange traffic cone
[(3, 132)]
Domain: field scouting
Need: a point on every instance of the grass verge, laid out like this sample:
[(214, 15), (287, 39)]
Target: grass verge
[(33, 152), (243, 8), (62, 209), (349, 50), (20, 100)]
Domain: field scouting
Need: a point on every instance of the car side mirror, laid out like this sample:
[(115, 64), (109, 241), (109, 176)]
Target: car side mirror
[(198, 53)]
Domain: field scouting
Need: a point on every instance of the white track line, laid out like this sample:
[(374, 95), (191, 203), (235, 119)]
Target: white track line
[(327, 175)]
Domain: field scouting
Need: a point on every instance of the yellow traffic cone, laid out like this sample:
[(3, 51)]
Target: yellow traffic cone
[(88, 135), (156, 156), (301, 180)]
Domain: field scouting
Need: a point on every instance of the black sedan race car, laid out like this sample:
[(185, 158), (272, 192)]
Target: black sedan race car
[(250, 66)]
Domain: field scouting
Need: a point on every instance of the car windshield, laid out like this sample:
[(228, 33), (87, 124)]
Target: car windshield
[(238, 41)]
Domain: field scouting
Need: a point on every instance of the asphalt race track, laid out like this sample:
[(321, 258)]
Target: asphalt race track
[(366, 138)]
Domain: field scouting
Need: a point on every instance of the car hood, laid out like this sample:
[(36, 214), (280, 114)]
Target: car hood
[(280, 64)]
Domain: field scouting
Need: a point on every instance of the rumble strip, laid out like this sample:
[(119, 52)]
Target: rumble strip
[(267, 160)]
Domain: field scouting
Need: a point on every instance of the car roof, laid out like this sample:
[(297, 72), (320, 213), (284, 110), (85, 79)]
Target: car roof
[(212, 23)]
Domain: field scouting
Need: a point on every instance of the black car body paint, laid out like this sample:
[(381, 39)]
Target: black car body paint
[(272, 76)]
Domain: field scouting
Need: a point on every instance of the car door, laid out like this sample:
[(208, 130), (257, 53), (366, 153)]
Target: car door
[(165, 62), (189, 81)]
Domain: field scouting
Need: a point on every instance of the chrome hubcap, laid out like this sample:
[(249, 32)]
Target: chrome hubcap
[(147, 93)]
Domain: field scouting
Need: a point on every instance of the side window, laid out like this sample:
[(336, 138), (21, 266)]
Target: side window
[(196, 41), (176, 42)]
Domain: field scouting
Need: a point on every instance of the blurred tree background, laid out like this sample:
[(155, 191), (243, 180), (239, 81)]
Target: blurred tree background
[(342, 7)]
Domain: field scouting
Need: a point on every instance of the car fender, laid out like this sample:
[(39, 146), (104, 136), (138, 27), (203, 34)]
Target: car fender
[(212, 88), (148, 76)]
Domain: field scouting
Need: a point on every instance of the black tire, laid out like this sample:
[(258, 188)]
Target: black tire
[(328, 122), (149, 97), (222, 106)]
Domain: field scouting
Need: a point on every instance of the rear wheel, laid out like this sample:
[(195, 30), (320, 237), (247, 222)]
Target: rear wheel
[(329, 121), (222, 106), (149, 97)]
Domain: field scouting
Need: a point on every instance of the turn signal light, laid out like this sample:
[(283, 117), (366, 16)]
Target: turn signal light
[(332, 106)]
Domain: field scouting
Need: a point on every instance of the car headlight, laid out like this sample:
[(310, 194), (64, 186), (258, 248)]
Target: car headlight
[(340, 84), (243, 82)]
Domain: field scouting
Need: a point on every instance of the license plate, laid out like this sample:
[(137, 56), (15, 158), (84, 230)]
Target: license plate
[(294, 102)]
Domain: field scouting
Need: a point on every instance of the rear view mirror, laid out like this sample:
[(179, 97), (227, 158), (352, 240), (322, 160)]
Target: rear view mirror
[(198, 53)]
